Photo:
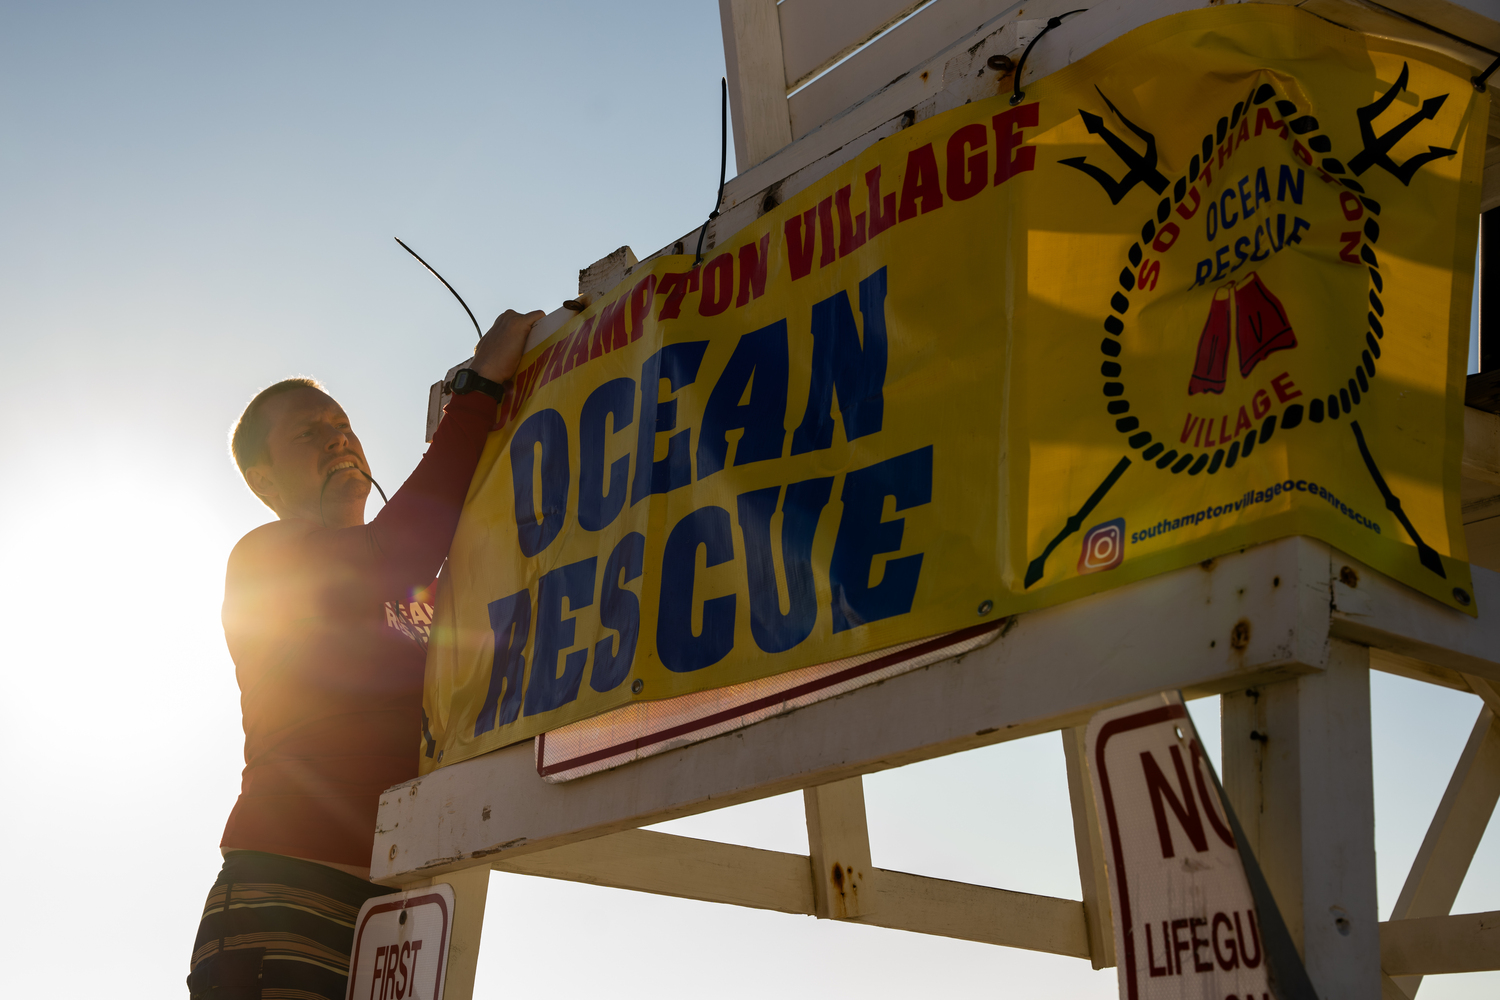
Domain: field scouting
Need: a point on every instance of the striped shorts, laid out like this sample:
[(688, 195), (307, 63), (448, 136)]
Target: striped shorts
[(275, 928)]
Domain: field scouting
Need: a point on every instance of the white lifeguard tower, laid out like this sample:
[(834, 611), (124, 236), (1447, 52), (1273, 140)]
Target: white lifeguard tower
[(1287, 632)]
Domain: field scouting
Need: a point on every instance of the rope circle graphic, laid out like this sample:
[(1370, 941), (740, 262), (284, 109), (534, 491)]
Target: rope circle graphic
[(1338, 401)]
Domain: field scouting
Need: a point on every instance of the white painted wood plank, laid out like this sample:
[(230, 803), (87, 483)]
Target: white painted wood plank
[(1303, 790), (816, 33), (839, 839), (1370, 19), (666, 864), (1475, 20), (1457, 827), (1468, 942), (669, 865), (1488, 692), (1088, 842), (1428, 673), (753, 67), (1380, 612), (1340, 912), (1482, 531), (928, 32), (1051, 669), (978, 913), (471, 888), (1481, 459)]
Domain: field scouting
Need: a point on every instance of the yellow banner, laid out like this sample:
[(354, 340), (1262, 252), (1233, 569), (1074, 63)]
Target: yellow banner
[(1205, 288)]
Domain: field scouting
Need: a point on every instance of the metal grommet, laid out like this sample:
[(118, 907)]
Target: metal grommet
[(1000, 64), (402, 919), (637, 686), (1461, 596), (985, 607)]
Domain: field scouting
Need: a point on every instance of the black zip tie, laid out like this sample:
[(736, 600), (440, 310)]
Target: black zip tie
[(723, 163), (373, 483), (362, 472), (1479, 80), (1018, 94), (450, 288)]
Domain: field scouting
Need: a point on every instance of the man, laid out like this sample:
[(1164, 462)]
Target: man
[(323, 615)]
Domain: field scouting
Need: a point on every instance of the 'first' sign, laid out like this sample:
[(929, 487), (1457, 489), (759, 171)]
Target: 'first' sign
[(401, 946)]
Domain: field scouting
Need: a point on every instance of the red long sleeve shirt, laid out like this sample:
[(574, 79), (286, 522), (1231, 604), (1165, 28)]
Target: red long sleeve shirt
[(328, 631)]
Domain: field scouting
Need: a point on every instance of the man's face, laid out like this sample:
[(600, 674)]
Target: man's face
[(315, 461)]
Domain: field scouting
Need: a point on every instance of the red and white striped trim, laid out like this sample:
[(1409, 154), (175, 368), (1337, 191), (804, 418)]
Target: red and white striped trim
[(647, 728)]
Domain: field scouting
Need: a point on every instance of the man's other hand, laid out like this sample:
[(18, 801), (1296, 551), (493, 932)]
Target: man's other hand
[(499, 351)]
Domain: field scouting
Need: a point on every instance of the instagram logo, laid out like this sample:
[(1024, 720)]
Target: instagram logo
[(1103, 547)]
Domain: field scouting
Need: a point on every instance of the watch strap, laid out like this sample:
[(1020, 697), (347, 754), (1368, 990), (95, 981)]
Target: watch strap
[(475, 382)]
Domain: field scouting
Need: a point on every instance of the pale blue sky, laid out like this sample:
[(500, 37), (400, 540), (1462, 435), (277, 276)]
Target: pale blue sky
[(199, 199)]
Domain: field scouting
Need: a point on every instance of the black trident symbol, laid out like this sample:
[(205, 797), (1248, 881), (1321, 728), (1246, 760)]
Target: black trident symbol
[(1378, 147), (1142, 165)]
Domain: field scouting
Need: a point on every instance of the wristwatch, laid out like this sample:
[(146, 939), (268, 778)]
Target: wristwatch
[(467, 380)]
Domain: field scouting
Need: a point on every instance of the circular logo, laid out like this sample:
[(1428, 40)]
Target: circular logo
[(1226, 254)]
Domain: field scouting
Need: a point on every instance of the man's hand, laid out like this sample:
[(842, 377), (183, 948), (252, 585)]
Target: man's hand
[(499, 351)]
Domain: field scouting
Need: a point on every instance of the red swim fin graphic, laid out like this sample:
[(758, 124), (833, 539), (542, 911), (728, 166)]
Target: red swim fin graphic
[(1213, 346), (1261, 326)]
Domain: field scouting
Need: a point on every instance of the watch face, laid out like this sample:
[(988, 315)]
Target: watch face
[(461, 381)]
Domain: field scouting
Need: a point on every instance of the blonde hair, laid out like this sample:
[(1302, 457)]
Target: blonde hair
[(247, 442)]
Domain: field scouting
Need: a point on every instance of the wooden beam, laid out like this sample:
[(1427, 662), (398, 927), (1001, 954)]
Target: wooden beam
[(1428, 673), (1088, 842), (826, 147), (1303, 790), (1481, 454), (931, 30), (757, 88), (1454, 834), (1487, 691), (669, 865), (1431, 946), (839, 839), (816, 34), (687, 868), (1374, 610), (978, 913), (471, 888), (1457, 827)]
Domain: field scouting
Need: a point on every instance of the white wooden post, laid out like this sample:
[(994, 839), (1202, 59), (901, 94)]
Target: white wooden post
[(1093, 876), (839, 842), (1298, 771), (471, 888), (757, 79)]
